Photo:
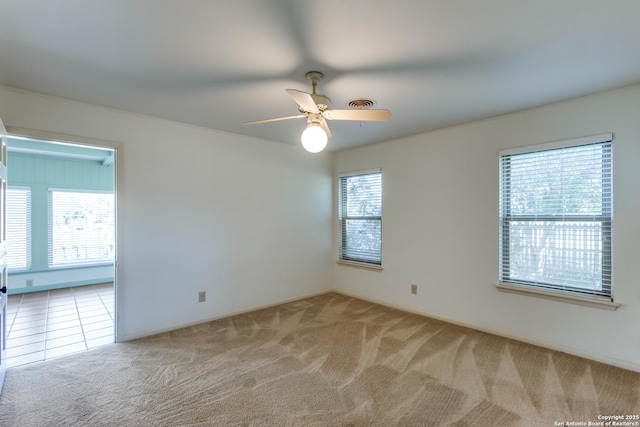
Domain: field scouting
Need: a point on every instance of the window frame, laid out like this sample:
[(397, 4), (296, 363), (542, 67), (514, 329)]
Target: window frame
[(343, 217), (602, 298)]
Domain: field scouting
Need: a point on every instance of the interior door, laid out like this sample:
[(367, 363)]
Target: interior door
[(3, 251)]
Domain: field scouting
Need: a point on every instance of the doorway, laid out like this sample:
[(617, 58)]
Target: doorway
[(61, 248)]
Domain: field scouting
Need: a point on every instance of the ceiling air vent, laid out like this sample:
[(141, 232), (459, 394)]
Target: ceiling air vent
[(361, 103)]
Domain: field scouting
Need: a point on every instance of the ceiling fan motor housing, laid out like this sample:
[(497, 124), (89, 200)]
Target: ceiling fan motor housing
[(323, 102)]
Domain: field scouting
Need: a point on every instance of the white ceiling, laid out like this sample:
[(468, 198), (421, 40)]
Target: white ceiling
[(219, 63)]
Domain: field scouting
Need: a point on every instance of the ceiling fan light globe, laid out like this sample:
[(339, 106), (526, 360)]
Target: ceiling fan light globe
[(314, 139)]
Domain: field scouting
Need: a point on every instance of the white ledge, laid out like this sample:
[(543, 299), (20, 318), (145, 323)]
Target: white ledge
[(364, 265), (557, 296)]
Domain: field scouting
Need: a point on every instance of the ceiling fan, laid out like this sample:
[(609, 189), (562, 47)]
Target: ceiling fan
[(317, 110)]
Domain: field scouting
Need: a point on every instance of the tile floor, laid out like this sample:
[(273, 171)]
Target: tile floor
[(47, 324)]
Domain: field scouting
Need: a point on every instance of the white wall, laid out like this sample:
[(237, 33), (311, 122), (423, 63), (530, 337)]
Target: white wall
[(440, 227), (246, 220)]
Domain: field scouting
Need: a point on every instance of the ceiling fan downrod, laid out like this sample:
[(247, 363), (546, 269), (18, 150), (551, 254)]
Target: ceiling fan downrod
[(314, 77)]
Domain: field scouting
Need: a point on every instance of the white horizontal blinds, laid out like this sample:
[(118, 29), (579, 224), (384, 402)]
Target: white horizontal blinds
[(360, 213), (19, 228), (556, 218), (81, 228)]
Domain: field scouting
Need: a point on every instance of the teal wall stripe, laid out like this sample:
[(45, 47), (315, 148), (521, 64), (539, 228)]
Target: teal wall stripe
[(32, 169), (60, 286)]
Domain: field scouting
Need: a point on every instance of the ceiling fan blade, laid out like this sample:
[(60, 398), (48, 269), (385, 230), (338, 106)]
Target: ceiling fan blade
[(325, 127), (359, 115), (304, 100), (299, 116)]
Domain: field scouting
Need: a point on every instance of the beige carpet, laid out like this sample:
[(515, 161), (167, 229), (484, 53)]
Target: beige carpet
[(323, 361)]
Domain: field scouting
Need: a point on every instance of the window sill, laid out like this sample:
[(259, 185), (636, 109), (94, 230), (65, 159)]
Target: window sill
[(558, 296), (363, 265)]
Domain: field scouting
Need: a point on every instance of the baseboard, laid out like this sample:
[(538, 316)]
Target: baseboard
[(144, 334), (545, 344)]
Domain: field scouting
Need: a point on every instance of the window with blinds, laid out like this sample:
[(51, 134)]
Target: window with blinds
[(556, 216), (81, 228), (360, 216), (19, 228)]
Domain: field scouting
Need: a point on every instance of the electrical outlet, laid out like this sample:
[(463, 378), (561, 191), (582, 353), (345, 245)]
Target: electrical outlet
[(414, 289), (202, 296)]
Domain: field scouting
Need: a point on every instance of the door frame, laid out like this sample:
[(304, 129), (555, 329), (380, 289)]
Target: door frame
[(3, 262), (118, 151)]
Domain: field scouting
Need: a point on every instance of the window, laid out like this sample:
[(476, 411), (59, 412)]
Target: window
[(19, 228), (556, 216), (360, 215), (81, 228)]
